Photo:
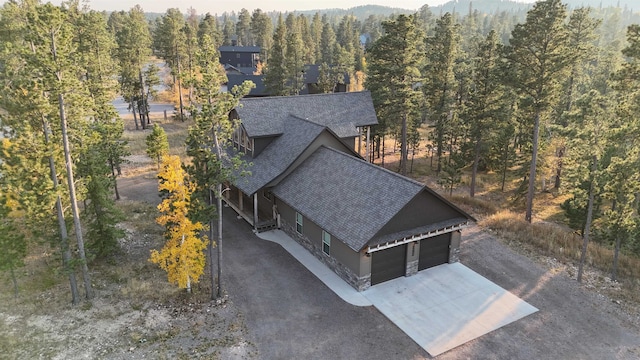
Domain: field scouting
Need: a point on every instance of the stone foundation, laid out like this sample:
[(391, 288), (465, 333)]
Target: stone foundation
[(360, 283), (412, 268)]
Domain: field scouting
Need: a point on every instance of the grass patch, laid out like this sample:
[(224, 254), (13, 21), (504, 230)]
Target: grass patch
[(559, 242)]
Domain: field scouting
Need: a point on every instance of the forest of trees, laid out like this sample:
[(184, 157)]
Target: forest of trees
[(548, 95)]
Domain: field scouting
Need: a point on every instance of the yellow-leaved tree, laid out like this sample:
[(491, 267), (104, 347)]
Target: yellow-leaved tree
[(182, 256)]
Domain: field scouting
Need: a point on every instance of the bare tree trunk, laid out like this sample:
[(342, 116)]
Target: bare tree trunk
[(383, 149), (616, 255), (219, 195), (115, 181), (74, 202), (474, 169), (212, 268), (219, 294), (15, 283), (532, 169), (403, 147), (179, 78), (62, 225), (143, 112), (135, 117), (72, 187), (587, 225)]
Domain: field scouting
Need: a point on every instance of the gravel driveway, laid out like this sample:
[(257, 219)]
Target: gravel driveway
[(291, 314)]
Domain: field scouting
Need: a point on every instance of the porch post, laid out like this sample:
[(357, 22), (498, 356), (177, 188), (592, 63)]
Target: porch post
[(240, 198), (359, 140), (255, 211), (368, 140)]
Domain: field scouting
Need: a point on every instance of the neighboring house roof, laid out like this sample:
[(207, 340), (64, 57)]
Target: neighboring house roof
[(347, 196), (235, 70), (241, 49), (280, 154), (312, 72), (237, 79), (341, 112)]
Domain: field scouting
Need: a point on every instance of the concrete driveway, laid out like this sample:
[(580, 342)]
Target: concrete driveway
[(446, 306), (439, 308)]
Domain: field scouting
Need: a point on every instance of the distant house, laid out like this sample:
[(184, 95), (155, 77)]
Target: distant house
[(238, 79), (242, 58), (311, 75), (367, 224)]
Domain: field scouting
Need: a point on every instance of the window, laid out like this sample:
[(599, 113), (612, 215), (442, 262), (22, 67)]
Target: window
[(238, 56), (267, 195), (299, 223), (326, 242)]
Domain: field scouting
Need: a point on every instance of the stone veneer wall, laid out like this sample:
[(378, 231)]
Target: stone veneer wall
[(454, 247), (412, 268), (360, 283)]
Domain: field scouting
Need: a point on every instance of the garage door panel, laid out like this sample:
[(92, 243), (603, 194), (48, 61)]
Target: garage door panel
[(388, 264), (434, 251)]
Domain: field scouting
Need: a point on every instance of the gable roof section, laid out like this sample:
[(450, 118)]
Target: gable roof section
[(238, 79), (340, 112), (346, 196), (240, 49), (280, 154)]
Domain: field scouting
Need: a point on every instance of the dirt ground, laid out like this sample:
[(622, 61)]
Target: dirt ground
[(137, 315)]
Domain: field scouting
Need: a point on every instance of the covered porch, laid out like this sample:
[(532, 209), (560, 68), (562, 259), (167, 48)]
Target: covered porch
[(257, 209)]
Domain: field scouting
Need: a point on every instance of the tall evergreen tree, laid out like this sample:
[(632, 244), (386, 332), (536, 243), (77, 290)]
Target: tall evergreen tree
[(170, 43), (393, 78), (275, 79), (262, 32), (134, 48), (442, 52), (537, 55), (485, 106), (207, 141)]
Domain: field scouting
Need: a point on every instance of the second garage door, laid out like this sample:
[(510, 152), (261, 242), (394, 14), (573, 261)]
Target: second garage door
[(434, 251), (388, 264)]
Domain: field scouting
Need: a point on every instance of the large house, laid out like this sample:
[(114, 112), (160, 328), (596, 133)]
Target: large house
[(240, 59), (366, 223)]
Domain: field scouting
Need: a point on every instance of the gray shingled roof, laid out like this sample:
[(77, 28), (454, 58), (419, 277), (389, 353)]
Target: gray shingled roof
[(340, 112), (241, 49), (346, 196), (280, 154)]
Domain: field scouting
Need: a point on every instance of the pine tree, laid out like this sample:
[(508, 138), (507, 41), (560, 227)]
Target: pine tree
[(262, 32), (207, 141), (134, 48), (393, 78), (442, 52), (537, 55), (157, 143), (591, 126), (485, 105), (275, 79), (170, 43)]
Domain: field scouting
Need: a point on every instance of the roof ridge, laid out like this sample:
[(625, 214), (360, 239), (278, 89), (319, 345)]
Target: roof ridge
[(267, 98), (403, 177), (291, 115)]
